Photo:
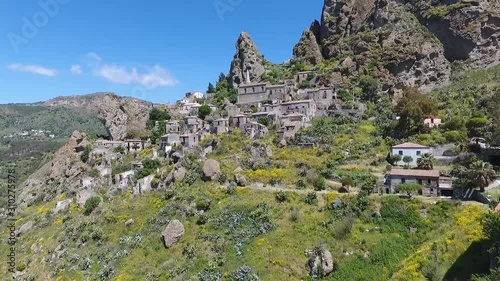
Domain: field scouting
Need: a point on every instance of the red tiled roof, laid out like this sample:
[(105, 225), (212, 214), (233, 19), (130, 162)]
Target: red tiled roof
[(414, 173), (410, 145)]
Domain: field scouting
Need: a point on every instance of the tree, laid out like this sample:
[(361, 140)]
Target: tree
[(91, 204), (395, 159), (263, 121), (481, 174), (426, 162), (369, 88), (204, 111), (86, 154), (211, 88), (412, 108), (157, 114), (408, 188), (119, 149), (407, 159)]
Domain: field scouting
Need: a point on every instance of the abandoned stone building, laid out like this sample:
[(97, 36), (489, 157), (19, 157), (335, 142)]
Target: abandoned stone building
[(172, 127), (255, 130), (190, 139), (168, 141), (323, 97), (134, 145), (220, 126)]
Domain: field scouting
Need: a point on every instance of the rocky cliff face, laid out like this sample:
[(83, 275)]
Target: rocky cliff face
[(59, 175), (247, 57), (406, 43), (118, 114), (468, 29), (308, 49)]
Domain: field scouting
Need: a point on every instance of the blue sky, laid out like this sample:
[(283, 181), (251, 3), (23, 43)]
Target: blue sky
[(156, 50)]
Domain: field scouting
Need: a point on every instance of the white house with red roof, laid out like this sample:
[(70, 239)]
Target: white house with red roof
[(432, 121), (415, 151)]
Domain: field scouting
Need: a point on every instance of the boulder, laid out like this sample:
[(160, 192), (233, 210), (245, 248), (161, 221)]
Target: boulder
[(320, 263), (240, 180), (282, 143), (25, 228), (172, 233), (129, 222), (62, 206), (179, 174), (211, 170)]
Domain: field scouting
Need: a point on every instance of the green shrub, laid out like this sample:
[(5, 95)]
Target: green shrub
[(94, 173), (319, 183), (222, 178), (282, 196), (311, 198), (91, 204), (119, 149), (86, 154)]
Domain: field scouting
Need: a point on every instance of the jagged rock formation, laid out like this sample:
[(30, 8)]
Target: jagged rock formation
[(468, 29), (57, 176), (118, 114), (406, 43), (308, 50), (247, 57)]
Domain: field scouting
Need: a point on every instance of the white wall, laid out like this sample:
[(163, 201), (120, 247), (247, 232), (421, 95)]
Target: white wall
[(413, 152)]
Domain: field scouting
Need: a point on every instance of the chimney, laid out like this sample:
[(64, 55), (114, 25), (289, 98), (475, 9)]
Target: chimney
[(248, 76)]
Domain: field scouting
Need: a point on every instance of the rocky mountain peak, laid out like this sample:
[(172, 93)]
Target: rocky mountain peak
[(247, 57), (308, 50)]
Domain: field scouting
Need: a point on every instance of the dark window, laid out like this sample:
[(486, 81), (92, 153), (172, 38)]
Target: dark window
[(403, 180), (420, 182), (419, 153), (400, 152), (429, 181)]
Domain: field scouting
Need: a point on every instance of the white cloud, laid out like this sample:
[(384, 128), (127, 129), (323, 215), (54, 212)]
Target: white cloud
[(153, 77), (36, 69), (94, 58), (77, 69)]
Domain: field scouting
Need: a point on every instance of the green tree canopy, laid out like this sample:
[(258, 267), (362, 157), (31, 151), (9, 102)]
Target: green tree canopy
[(412, 109), (408, 188), (204, 111)]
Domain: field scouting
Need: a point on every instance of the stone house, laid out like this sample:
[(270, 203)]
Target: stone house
[(415, 151), (108, 145), (172, 127), (169, 140), (125, 179), (220, 126), (255, 130), (134, 145), (301, 76), (278, 92), (190, 140), (239, 121), (232, 110), (192, 124), (428, 179), (271, 116), (252, 93), (433, 121), (323, 97), (186, 107), (305, 107)]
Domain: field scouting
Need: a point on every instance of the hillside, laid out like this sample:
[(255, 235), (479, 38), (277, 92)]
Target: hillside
[(380, 183)]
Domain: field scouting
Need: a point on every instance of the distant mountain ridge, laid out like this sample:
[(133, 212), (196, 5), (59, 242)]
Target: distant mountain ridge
[(105, 113)]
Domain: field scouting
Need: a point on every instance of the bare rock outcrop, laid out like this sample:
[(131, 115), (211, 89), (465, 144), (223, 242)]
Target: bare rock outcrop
[(320, 262), (118, 114), (172, 233), (247, 57), (59, 175), (308, 50), (211, 170)]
